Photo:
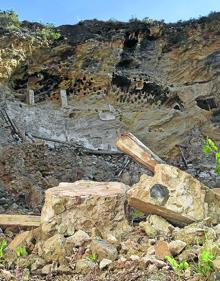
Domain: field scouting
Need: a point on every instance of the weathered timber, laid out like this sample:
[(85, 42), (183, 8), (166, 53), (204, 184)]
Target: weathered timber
[(130, 145), (150, 208), (78, 147), (21, 220)]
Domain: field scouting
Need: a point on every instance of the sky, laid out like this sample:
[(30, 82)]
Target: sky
[(61, 12)]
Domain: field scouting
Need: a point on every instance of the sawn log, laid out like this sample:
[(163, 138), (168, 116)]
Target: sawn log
[(140, 153)]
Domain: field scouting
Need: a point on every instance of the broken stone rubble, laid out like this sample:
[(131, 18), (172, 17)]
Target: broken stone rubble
[(54, 244)]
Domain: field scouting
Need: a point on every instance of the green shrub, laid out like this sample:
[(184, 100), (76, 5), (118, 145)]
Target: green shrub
[(9, 20), (48, 33), (210, 147)]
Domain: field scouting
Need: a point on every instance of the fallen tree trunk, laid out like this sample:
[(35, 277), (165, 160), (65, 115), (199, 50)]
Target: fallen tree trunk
[(21, 220), (130, 145)]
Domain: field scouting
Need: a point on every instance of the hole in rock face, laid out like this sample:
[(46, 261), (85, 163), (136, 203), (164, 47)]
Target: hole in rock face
[(130, 43), (121, 82), (177, 107), (159, 192), (206, 103), (72, 115), (125, 63)]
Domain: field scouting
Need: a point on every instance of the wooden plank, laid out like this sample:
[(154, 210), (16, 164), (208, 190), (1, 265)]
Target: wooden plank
[(21, 220), (169, 215), (130, 145)]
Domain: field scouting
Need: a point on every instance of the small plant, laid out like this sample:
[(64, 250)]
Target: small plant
[(21, 251), (48, 32), (177, 267), (137, 213), (205, 265), (92, 257), (209, 147), (3, 245)]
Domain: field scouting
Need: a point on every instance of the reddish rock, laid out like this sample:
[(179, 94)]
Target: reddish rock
[(162, 250)]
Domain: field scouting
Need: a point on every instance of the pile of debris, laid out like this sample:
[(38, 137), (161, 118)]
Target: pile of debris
[(109, 231)]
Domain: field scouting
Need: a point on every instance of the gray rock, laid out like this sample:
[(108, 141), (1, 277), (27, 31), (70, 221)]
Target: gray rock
[(78, 239), (176, 247), (84, 266), (148, 229), (103, 249), (104, 263), (46, 269)]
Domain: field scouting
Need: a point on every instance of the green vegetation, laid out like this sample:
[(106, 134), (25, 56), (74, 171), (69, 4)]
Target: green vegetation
[(136, 214), (177, 267), (48, 32), (9, 20), (152, 21), (3, 245), (92, 257), (21, 251), (210, 148), (205, 265)]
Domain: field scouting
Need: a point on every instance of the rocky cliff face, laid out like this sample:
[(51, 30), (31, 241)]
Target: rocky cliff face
[(158, 81), (161, 80)]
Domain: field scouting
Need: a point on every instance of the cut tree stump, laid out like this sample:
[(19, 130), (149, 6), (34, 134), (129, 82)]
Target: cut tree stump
[(85, 205), (130, 145), (21, 220)]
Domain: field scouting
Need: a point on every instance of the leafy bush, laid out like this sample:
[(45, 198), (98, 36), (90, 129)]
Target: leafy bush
[(9, 20), (152, 21), (209, 147), (48, 33)]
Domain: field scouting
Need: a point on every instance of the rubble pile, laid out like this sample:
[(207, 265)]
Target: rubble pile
[(88, 233)]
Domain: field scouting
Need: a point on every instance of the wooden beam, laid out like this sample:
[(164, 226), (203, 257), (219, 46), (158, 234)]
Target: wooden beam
[(21, 220), (169, 215), (131, 146)]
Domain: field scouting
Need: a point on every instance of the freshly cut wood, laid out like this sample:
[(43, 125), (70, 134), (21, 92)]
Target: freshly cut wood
[(85, 205), (21, 220), (130, 145)]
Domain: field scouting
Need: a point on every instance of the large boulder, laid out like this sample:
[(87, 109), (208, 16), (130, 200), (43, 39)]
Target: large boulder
[(85, 206), (174, 195)]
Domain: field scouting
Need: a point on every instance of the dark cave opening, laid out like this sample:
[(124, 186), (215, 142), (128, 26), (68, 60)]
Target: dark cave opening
[(206, 103)]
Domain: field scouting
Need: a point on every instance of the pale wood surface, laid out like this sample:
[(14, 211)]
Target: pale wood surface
[(22, 220), (130, 145)]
